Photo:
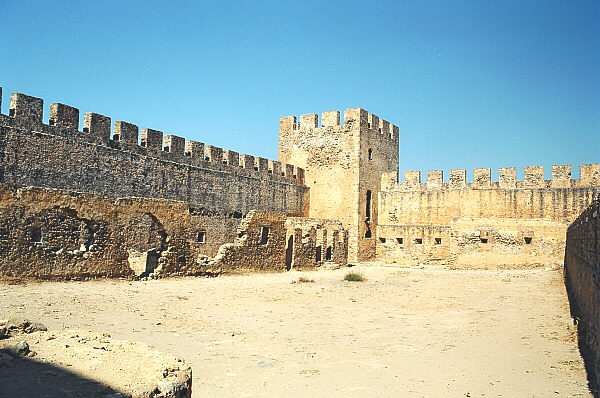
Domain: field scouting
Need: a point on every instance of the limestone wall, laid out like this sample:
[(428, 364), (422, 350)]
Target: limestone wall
[(58, 155), (506, 212), (582, 277), (342, 162), (315, 242), (52, 234)]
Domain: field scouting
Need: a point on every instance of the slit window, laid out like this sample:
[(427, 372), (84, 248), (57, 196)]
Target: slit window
[(419, 241), (368, 208), (368, 233), (400, 240), (318, 254), (438, 241), (528, 240), (36, 235), (382, 240), (201, 237), (370, 154), (328, 254), (264, 235)]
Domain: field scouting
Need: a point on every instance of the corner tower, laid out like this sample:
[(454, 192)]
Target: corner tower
[(343, 166)]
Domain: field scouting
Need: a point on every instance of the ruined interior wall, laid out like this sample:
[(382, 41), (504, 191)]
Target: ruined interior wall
[(315, 242), (338, 169), (52, 234), (506, 243), (253, 249), (582, 277), (413, 244), (507, 209)]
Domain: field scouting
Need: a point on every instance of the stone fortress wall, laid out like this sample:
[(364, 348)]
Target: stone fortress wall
[(506, 223), (221, 190), (343, 165), (582, 278)]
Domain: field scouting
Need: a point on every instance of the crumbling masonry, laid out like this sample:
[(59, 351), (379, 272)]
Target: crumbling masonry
[(101, 203), (98, 202)]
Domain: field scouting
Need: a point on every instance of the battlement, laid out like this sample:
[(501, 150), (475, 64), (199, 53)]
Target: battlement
[(352, 117), (26, 112), (534, 179)]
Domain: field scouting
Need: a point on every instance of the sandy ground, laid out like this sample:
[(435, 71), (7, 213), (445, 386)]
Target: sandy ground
[(404, 332)]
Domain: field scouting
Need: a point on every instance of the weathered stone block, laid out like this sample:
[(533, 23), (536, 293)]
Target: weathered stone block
[(64, 116), (309, 121), (152, 139), (412, 177), (213, 154), (231, 158), (97, 127), (174, 144), (534, 176), (482, 178), (331, 118), (261, 165), (26, 107), (435, 179), (458, 178), (125, 132), (507, 177), (195, 150), (247, 162)]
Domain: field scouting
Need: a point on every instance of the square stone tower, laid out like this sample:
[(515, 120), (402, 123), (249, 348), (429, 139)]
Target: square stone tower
[(343, 166)]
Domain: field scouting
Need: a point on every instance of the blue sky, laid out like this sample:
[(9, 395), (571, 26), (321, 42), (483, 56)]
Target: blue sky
[(469, 83)]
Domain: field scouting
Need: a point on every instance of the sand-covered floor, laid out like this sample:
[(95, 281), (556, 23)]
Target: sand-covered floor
[(405, 332)]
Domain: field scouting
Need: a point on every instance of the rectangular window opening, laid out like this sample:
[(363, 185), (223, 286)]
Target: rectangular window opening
[(528, 240), (201, 236), (264, 235), (483, 240), (400, 240), (419, 241), (36, 235), (318, 254), (438, 241), (382, 240), (368, 206), (328, 254)]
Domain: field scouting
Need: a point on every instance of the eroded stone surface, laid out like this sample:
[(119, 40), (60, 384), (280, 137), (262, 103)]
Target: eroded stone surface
[(74, 363)]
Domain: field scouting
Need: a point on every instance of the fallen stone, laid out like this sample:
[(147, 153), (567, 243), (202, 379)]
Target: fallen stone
[(16, 350), (22, 325)]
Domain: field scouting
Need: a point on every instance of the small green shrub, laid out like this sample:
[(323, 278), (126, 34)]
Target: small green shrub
[(354, 277)]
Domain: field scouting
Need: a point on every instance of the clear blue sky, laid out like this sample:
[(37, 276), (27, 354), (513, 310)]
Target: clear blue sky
[(469, 83)]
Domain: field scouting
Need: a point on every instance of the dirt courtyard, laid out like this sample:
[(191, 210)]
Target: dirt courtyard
[(405, 332)]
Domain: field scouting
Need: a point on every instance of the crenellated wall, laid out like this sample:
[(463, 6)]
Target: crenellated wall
[(509, 210), (342, 162), (582, 278), (221, 185)]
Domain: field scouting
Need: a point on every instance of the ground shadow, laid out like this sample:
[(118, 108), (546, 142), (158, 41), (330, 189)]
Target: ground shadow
[(584, 350), (27, 377)]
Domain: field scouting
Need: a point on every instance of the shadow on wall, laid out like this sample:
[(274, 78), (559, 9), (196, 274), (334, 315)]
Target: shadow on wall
[(25, 377), (585, 350)]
